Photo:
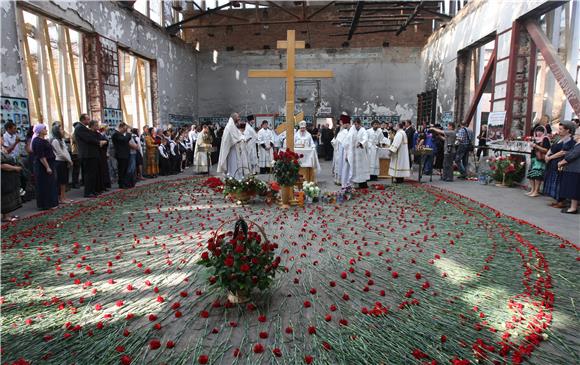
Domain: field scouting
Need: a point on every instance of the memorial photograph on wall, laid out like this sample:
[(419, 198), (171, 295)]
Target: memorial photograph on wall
[(15, 110)]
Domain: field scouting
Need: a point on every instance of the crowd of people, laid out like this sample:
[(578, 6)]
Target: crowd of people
[(47, 164), (46, 167)]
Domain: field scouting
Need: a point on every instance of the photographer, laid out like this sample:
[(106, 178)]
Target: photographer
[(448, 136)]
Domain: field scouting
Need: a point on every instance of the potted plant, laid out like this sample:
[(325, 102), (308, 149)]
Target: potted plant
[(286, 167), (241, 261)]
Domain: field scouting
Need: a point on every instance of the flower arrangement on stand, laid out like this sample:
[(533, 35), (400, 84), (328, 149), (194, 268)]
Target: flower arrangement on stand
[(242, 260), (507, 170), (285, 170), (245, 189), (311, 190)]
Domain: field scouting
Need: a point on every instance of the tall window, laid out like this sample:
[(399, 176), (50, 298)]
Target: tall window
[(151, 9), (135, 90), (54, 70)]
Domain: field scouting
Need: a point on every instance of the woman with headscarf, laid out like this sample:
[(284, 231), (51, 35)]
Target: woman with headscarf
[(540, 146), (63, 161), (44, 169), (553, 157), (10, 186)]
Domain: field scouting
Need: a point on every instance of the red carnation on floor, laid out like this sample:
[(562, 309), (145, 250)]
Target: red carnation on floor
[(152, 317), (395, 274), (236, 352), (308, 359), (418, 354), (312, 330), (443, 338), (277, 352), (203, 359), (258, 348), (262, 318), (307, 304), (343, 322), (328, 318), (154, 344), (326, 346), (263, 335), (204, 314), (120, 348), (98, 307), (126, 360), (418, 276), (170, 344), (289, 330)]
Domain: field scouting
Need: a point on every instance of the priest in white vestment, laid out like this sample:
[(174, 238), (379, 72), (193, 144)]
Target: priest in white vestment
[(340, 167), (400, 166), (233, 159), (252, 144), (357, 154), (376, 140), (266, 139), (201, 157), (303, 138)]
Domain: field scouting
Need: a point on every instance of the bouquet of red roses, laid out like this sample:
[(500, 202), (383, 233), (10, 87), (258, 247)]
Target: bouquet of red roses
[(286, 167), (241, 260)]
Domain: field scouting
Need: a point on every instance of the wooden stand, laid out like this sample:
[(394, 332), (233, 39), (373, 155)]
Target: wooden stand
[(384, 164), (308, 174)]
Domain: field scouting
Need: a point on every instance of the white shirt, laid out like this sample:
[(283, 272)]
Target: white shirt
[(60, 151), (192, 137), (9, 141)]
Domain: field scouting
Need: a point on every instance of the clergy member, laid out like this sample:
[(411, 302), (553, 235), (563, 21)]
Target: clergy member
[(233, 159), (357, 154), (341, 167), (376, 140), (303, 138), (252, 144), (265, 148), (400, 166), (201, 159)]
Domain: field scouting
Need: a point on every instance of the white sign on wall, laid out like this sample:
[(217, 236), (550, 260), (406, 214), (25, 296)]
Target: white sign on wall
[(495, 126)]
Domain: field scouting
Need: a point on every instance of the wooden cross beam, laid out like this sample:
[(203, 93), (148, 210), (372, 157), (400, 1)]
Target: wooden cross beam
[(290, 74)]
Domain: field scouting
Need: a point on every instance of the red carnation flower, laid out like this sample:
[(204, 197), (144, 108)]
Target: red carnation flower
[(157, 326), (443, 338), (203, 359), (245, 268), (204, 314), (98, 307), (120, 349), (262, 318), (328, 318), (154, 344), (152, 317), (170, 344), (126, 360), (263, 335), (332, 284), (308, 359), (178, 314), (236, 352), (289, 330), (326, 346), (343, 322), (312, 330), (258, 348), (418, 276), (395, 274), (277, 352), (229, 262), (333, 308), (307, 304), (343, 275), (205, 255)]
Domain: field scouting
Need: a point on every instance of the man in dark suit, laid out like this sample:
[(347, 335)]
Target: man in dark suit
[(121, 143), (88, 144), (326, 137), (410, 132)]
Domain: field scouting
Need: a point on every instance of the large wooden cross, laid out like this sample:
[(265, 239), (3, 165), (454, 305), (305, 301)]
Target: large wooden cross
[(290, 73)]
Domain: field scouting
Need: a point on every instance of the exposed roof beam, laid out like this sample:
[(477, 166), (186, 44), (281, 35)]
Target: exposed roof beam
[(393, 30), (404, 26), (359, 8), (284, 9), (320, 10), (440, 15), (173, 28), (297, 21)]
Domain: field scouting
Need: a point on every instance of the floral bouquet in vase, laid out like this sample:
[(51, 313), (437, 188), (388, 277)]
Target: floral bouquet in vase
[(507, 170), (311, 191), (241, 261), (285, 170)]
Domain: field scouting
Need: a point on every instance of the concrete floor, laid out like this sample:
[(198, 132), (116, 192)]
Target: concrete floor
[(510, 201)]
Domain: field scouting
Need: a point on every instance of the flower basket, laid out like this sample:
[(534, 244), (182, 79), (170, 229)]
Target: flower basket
[(244, 190), (241, 260)]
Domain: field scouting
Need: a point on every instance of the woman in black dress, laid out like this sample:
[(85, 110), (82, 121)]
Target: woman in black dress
[(44, 170), (10, 186)]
